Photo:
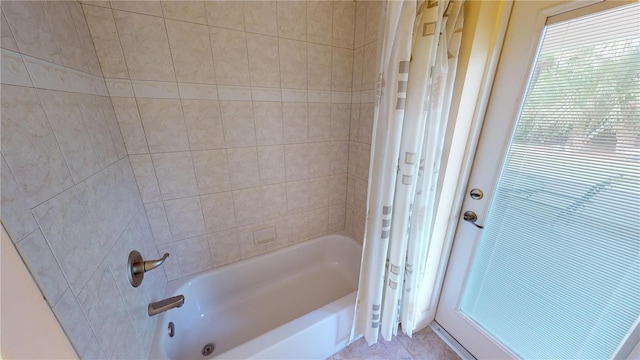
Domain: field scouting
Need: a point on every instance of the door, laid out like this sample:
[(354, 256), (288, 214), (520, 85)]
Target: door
[(547, 263)]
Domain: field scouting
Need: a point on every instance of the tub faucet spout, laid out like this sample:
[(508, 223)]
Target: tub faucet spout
[(166, 304)]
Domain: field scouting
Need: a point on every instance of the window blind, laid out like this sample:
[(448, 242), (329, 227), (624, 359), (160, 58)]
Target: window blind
[(557, 270)]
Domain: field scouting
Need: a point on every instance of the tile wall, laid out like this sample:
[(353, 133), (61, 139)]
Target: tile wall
[(364, 80), (69, 196), (239, 116)]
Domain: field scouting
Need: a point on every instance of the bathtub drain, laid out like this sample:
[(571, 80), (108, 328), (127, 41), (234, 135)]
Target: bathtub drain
[(208, 349)]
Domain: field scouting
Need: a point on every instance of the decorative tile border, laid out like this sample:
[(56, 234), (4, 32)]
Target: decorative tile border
[(14, 72), (198, 91), (155, 89), (119, 87), (25, 70)]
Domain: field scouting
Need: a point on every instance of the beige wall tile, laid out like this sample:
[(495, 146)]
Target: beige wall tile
[(194, 255), (248, 206), (30, 147), (319, 67), (296, 126), (271, 164), (340, 121), (339, 157), (185, 217), (73, 320), (230, 56), (292, 20), (264, 61), (293, 64), (112, 124), (225, 14), (98, 129), (145, 45), (204, 124), (268, 122), (319, 22), (238, 123), (243, 167), (192, 11), (164, 124), (36, 253), (357, 69), (30, 28), (106, 41), (360, 21), (104, 307), (365, 122), (147, 7), (344, 14), (297, 161), (261, 17), (319, 121), (318, 222), (318, 192), (372, 21), (15, 213), (126, 111), (274, 202), (341, 69), (212, 171), (66, 120), (320, 162), (338, 189), (336, 217), (65, 35), (297, 196), (175, 173), (218, 211), (191, 52), (7, 41), (369, 67), (84, 35), (158, 222), (66, 226), (354, 122), (298, 226), (145, 177), (224, 247)]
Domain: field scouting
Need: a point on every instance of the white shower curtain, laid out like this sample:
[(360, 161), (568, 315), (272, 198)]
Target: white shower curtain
[(417, 55)]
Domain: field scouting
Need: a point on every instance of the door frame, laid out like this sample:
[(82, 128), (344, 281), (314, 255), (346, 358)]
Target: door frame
[(510, 70)]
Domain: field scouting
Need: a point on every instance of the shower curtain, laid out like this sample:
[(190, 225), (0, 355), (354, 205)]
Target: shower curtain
[(417, 55)]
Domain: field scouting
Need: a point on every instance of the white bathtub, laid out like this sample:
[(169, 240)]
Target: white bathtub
[(294, 303)]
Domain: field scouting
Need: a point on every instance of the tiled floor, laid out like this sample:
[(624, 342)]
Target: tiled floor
[(424, 345)]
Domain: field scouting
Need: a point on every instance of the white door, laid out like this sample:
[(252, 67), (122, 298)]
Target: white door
[(555, 272)]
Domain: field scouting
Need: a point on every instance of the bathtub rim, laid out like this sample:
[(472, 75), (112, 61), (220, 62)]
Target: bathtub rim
[(173, 286)]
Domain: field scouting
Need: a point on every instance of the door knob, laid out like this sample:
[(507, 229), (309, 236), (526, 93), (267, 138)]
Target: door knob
[(471, 217)]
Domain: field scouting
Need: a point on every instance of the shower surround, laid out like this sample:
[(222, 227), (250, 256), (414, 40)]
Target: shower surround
[(181, 127), (237, 117)]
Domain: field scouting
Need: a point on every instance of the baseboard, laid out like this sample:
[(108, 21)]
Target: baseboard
[(451, 341)]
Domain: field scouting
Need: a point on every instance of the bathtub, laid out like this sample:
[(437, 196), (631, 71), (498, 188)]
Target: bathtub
[(294, 303)]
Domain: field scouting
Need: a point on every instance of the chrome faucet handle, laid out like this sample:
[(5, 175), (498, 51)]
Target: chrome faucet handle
[(136, 267)]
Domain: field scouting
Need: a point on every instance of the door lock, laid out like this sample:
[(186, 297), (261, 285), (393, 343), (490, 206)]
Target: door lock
[(471, 217), (476, 194)]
